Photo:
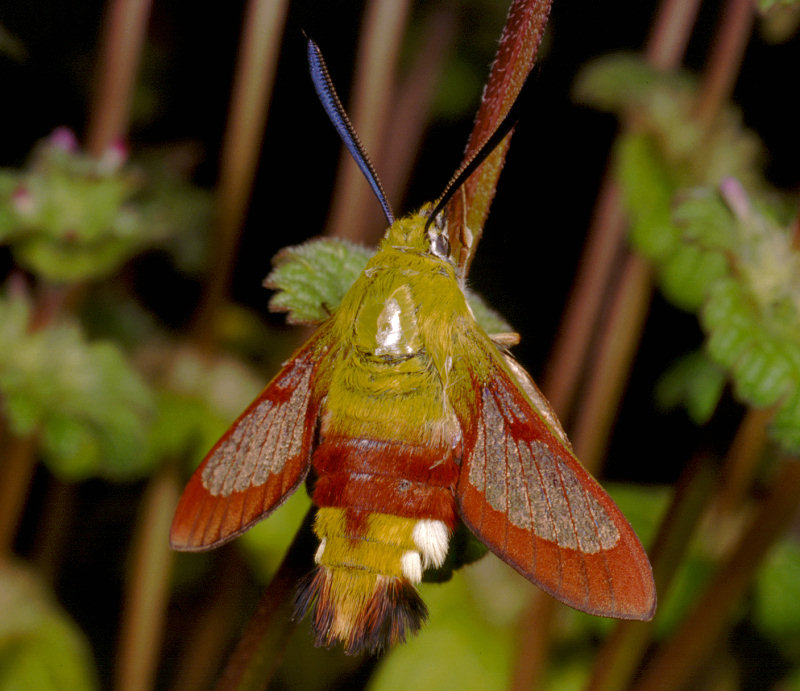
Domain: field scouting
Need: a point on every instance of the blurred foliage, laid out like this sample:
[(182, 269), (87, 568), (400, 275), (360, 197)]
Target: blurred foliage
[(716, 252), (479, 657), (90, 407), (40, 647), (694, 381), (11, 46), (766, 5), (71, 217), (776, 605)]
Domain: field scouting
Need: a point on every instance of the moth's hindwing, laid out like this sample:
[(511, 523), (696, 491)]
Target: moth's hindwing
[(258, 462), (525, 495)]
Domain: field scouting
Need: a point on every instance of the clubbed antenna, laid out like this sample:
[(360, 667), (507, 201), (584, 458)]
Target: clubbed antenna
[(337, 115)]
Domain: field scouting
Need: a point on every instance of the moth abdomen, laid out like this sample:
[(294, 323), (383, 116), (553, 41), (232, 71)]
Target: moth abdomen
[(412, 481), (362, 591)]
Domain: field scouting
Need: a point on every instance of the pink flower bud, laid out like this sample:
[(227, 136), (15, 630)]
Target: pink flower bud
[(115, 156), (735, 197), (63, 138)]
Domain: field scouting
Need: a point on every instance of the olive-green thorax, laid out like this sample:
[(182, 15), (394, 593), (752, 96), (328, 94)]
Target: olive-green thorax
[(399, 322)]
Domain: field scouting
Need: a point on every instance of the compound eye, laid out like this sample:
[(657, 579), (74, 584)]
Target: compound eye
[(440, 245)]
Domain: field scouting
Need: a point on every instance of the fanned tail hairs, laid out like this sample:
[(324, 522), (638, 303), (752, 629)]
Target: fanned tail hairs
[(414, 421)]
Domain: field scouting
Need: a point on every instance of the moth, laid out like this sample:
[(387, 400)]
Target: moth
[(413, 420)]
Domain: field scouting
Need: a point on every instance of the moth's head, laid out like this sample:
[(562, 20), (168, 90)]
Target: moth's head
[(418, 232)]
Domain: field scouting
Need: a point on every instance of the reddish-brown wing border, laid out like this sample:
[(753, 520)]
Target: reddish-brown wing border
[(526, 496), (258, 462)]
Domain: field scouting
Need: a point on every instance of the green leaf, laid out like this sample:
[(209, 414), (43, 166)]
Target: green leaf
[(785, 427), (90, 405), (617, 82), (762, 374), (648, 188), (265, 544), (688, 274), (491, 321), (312, 278), (695, 382), (766, 5), (777, 607), (40, 647)]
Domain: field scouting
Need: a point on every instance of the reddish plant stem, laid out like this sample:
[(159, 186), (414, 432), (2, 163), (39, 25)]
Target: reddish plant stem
[(722, 69), (201, 657), (147, 589), (519, 44), (621, 655), (412, 101), (260, 650), (571, 345), (121, 47), (699, 631), (741, 463), (252, 89), (354, 213), (19, 463), (619, 339), (54, 529)]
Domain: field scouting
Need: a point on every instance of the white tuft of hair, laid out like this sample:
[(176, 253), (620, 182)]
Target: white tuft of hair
[(411, 562), (432, 537)]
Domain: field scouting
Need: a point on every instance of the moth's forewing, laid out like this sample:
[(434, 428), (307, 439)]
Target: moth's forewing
[(525, 495), (258, 462)]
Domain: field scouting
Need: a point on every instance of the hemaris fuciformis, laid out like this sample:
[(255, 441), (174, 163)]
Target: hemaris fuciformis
[(413, 420)]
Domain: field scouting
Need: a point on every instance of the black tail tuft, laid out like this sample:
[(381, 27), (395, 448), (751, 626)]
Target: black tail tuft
[(392, 611)]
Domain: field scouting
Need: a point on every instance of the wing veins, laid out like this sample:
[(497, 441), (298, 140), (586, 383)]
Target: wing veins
[(603, 555), (550, 511), (575, 532)]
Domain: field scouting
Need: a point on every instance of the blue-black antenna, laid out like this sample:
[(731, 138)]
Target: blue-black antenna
[(337, 115)]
